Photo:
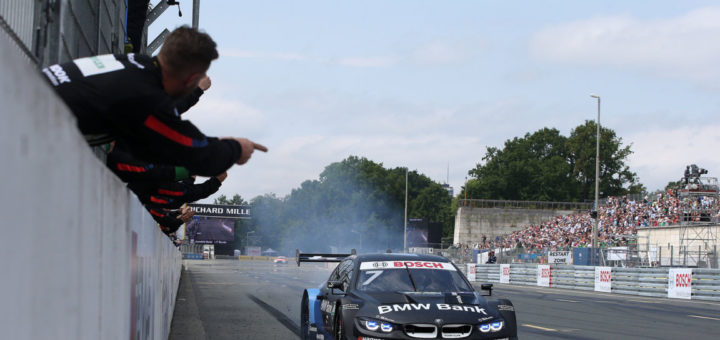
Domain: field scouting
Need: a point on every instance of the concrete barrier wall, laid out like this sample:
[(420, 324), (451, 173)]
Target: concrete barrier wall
[(472, 223), (80, 258)]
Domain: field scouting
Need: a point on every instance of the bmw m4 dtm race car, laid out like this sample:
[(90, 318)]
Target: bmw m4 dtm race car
[(400, 296)]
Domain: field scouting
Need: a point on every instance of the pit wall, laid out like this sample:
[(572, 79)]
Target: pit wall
[(81, 258), (472, 223)]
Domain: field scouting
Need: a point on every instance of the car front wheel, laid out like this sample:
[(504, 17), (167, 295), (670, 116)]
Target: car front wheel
[(304, 319), (339, 325)]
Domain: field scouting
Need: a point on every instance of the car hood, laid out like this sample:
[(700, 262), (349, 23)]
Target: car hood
[(415, 307)]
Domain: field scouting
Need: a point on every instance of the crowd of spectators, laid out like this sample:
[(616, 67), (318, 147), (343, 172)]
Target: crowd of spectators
[(619, 220)]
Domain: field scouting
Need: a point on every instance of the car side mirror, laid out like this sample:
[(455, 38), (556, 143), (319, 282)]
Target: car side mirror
[(486, 287), (332, 285)]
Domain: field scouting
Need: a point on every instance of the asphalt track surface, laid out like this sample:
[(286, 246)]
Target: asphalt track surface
[(230, 299)]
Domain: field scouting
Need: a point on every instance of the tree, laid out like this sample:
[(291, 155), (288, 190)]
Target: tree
[(533, 168), (235, 200), (615, 176), (546, 166)]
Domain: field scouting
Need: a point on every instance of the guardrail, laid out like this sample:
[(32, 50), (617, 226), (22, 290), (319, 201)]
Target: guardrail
[(687, 283)]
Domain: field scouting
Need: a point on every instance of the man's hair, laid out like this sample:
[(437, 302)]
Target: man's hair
[(186, 49)]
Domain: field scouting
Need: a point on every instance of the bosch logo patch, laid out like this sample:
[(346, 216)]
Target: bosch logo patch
[(682, 280), (545, 273), (418, 264), (605, 276), (506, 271)]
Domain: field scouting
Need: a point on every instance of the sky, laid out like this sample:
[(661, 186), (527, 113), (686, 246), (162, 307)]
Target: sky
[(429, 85)]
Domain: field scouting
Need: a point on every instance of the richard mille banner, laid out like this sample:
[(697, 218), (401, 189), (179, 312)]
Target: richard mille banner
[(224, 211)]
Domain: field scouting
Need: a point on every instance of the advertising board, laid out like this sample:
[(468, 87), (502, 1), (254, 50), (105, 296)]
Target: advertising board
[(680, 283), (543, 275), (504, 273), (603, 279), (471, 272), (253, 251)]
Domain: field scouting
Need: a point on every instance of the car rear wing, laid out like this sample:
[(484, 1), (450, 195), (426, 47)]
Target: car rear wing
[(320, 257)]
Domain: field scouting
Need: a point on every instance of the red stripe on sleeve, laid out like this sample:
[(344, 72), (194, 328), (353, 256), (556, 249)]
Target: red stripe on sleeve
[(160, 127), (130, 168), (157, 200), (156, 213), (170, 192)]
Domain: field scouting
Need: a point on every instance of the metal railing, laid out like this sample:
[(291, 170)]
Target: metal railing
[(17, 20), (55, 31), (505, 204), (651, 282)]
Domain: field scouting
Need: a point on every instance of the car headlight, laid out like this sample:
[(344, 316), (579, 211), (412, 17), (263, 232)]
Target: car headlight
[(372, 325), (376, 325), (491, 327)]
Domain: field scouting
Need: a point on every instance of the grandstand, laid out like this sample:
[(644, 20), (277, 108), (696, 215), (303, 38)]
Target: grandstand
[(676, 227)]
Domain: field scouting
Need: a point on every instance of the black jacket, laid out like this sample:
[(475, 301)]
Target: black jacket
[(168, 221), (122, 97), (172, 195), (131, 169)]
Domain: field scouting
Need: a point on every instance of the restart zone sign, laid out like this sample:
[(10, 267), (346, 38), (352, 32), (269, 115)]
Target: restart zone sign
[(560, 257)]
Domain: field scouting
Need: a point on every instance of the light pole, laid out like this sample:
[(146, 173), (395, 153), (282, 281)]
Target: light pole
[(247, 239), (597, 176), (405, 221)]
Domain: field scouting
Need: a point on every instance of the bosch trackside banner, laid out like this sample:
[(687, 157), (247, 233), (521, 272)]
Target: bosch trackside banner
[(504, 273), (680, 283), (253, 251), (543, 275), (603, 279), (471, 271), (560, 257)]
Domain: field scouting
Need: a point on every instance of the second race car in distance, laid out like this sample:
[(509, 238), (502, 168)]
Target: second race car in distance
[(400, 296)]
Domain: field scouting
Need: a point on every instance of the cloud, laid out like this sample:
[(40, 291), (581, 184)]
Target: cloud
[(660, 155), (219, 116), (439, 53), (286, 56), (368, 61), (436, 52), (682, 46)]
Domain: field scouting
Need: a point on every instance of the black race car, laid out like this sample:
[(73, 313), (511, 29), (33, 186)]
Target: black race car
[(400, 296)]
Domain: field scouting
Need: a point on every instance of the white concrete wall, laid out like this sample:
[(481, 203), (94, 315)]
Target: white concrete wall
[(472, 223), (79, 257)]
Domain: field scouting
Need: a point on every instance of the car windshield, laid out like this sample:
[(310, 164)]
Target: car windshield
[(389, 278)]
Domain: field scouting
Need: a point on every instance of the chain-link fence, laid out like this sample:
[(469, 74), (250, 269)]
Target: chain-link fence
[(505, 204)]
